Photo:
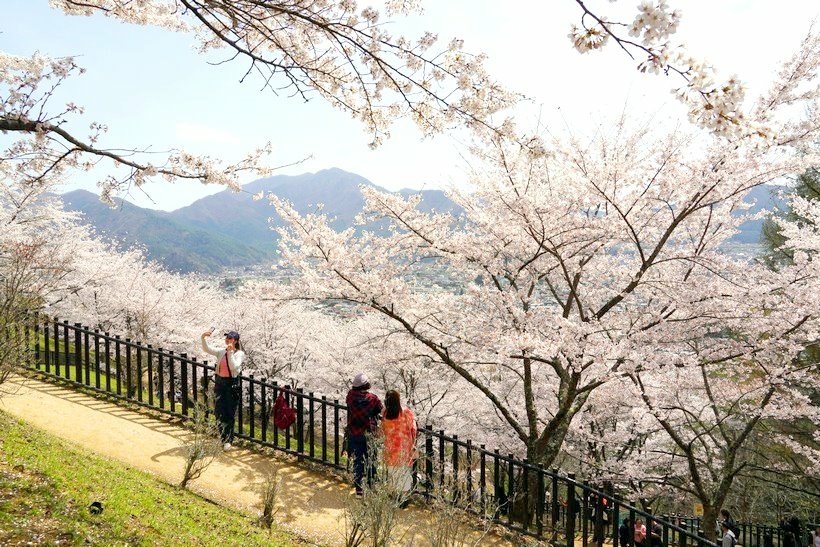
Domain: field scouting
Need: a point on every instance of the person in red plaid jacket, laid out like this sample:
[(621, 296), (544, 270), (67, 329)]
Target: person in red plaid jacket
[(363, 412)]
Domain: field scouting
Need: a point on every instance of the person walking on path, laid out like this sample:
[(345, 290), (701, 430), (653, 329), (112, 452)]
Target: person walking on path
[(363, 412), (726, 516), (399, 427), (625, 533), (639, 532), (655, 533), (728, 537), (226, 382)]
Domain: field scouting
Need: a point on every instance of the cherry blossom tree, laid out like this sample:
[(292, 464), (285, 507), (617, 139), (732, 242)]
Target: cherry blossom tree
[(711, 411), (580, 261), (37, 243), (714, 105)]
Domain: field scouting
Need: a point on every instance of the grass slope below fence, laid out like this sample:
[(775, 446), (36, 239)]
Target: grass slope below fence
[(45, 494)]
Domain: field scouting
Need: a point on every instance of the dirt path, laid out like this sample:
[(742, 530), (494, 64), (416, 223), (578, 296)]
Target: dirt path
[(315, 502)]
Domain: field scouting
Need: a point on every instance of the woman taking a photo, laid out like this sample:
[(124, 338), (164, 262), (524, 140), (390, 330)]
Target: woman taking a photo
[(226, 382)]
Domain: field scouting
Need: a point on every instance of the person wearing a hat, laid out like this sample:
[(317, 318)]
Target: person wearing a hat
[(363, 411), (226, 382)]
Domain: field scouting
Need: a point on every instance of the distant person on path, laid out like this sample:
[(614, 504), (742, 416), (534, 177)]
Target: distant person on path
[(226, 383), (625, 533), (788, 536), (728, 538), (815, 538), (726, 516), (399, 427), (797, 531), (639, 533), (363, 412), (655, 534)]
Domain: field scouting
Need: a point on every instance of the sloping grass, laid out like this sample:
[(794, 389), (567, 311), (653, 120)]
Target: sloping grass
[(47, 486)]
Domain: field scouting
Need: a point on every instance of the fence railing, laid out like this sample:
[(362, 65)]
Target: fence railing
[(753, 534), (522, 496)]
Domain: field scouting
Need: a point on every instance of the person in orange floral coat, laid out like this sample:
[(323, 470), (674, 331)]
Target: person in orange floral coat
[(399, 428)]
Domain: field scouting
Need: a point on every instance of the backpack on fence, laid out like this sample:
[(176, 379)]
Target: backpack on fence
[(283, 414)]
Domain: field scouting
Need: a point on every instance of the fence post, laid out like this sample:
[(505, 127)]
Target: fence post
[(456, 491), (311, 425), (66, 352), (251, 407), (195, 383), (172, 383), (571, 510), (160, 379), (482, 477), (336, 449), (36, 341), (128, 386), (428, 457), (266, 412), (540, 502), (183, 361), (525, 483), (150, 358), (87, 356), (300, 421), (324, 429), (276, 393), (468, 456), (511, 493), (441, 460), (47, 344), (140, 386), (107, 363), (78, 353), (240, 408), (118, 362), (554, 507)]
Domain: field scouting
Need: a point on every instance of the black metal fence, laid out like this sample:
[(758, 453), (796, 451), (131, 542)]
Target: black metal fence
[(524, 497), (755, 535)]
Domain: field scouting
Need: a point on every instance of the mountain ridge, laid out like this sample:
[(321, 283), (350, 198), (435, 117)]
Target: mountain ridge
[(231, 230)]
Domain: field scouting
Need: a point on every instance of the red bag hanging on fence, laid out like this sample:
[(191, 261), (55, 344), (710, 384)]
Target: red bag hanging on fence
[(283, 414)]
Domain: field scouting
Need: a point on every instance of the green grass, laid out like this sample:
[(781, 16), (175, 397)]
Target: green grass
[(45, 493)]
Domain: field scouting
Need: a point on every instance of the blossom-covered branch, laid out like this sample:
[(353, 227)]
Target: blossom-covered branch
[(48, 149), (337, 50)]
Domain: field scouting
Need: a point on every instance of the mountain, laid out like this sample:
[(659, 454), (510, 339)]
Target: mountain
[(764, 197), (178, 245), (229, 229)]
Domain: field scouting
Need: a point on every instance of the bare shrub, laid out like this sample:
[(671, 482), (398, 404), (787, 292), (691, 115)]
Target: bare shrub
[(371, 519), (270, 493), (450, 524), (202, 448)]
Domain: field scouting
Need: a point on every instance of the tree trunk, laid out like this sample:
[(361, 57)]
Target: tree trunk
[(709, 521)]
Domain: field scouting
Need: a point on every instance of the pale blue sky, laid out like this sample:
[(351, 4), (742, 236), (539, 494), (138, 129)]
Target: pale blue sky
[(152, 89)]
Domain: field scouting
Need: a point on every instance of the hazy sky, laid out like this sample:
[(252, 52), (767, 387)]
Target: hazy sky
[(153, 90)]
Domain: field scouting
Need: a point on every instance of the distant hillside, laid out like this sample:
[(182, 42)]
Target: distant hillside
[(229, 229), (765, 197), (180, 246)]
